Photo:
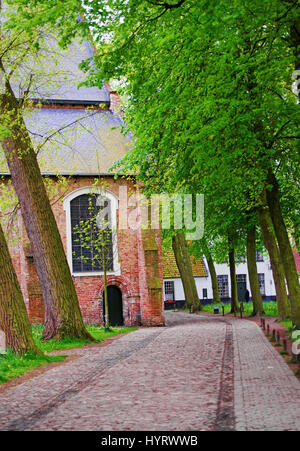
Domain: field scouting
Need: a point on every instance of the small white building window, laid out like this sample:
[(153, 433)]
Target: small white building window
[(261, 280), (169, 291), (223, 286)]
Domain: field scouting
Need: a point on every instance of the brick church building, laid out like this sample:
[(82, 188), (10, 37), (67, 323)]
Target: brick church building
[(78, 134)]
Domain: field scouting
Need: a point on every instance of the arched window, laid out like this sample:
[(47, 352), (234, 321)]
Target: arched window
[(91, 232)]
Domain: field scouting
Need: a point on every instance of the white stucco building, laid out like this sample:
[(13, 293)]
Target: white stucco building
[(173, 288)]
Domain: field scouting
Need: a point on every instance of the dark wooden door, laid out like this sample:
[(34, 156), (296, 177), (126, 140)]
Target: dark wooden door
[(115, 306), (241, 287)]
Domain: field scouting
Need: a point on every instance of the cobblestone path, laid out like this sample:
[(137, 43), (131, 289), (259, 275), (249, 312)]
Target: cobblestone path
[(200, 373)]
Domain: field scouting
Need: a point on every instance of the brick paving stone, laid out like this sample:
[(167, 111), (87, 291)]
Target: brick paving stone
[(267, 394), (200, 373)]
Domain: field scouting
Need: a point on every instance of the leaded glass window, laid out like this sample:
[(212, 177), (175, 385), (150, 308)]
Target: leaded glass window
[(261, 280), (88, 254), (169, 291), (223, 286)]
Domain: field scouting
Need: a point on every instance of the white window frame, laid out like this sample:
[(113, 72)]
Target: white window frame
[(223, 277), (262, 281), (114, 203), (166, 290)]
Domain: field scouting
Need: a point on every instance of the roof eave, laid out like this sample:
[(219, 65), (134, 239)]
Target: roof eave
[(59, 102)]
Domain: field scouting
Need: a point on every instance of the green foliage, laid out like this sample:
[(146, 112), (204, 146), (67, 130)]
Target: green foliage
[(97, 332), (208, 89), (288, 325), (30, 63), (270, 308), (12, 366), (208, 98)]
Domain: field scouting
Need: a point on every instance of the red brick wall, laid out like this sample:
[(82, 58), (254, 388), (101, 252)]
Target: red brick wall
[(141, 305)]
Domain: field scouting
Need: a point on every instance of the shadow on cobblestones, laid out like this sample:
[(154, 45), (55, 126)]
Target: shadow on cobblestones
[(24, 423), (200, 373), (225, 419)]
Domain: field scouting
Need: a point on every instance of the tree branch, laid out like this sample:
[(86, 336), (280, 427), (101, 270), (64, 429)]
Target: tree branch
[(277, 134), (289, 137), (287, 11), (167, 5), (59, 130)]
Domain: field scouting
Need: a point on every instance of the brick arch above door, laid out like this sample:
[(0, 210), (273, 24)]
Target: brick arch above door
[(130, 299)]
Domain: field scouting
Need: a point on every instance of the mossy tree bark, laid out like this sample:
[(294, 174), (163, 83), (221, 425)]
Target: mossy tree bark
[(184, 265), (252, 271), (14, 321), (291, 275), (62, 313), (276, 263), (214, 279), (234, 296)]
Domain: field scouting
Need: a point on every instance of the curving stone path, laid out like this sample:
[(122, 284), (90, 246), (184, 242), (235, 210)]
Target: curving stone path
[(200, 373)]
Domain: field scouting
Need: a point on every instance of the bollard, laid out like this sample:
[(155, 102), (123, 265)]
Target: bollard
[(268, 329), (241, 309), (278, 337), (223, 310), (264, 324), (274, 334), (284, 342)]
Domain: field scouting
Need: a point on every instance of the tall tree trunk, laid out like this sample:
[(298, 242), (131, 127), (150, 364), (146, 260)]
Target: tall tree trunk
[(276, 264), (184, 265), (62, 312), (214, 279), (14, 321), (234, 296), (286, 252), (252, 271)]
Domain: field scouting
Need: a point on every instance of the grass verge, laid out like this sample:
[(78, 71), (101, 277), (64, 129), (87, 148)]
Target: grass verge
[(97, 332), (270, 308), (288, 325), (13, 366)]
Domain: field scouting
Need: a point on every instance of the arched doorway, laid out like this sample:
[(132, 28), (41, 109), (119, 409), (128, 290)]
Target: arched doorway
[(115, 306)]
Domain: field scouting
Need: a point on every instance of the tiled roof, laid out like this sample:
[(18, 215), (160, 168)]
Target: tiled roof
[(170, 269), (82, 141), (88, 144), (56, 71), (59, 75)]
